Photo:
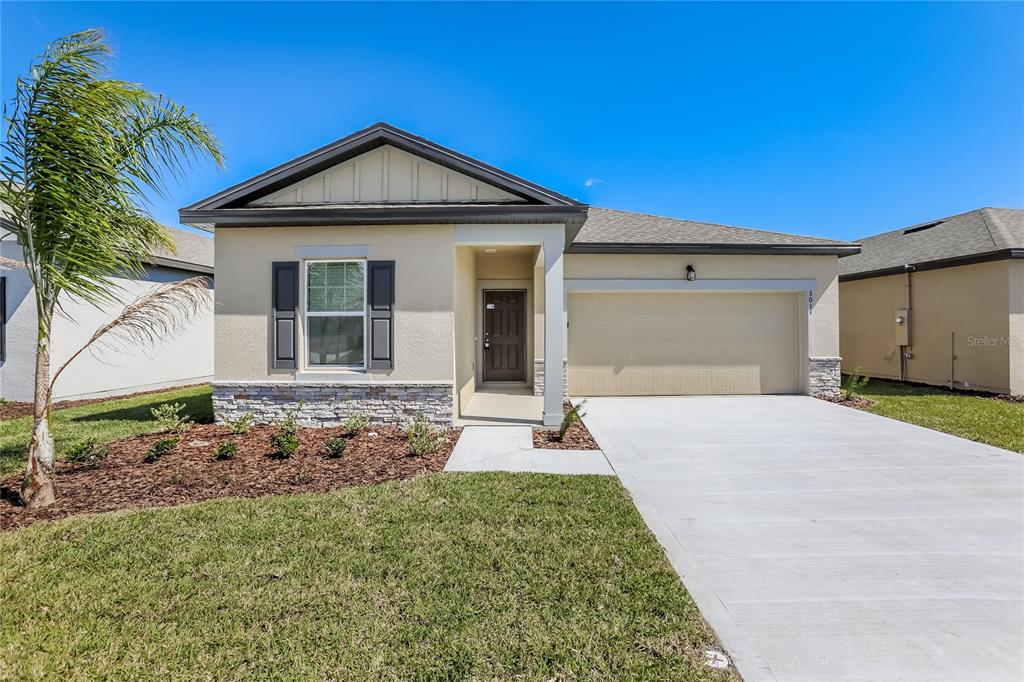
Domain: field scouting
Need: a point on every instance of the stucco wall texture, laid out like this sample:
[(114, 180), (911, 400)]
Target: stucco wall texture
[(424, 290), (965, 326), (106, 369)]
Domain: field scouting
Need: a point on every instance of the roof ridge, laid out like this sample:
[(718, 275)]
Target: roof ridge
[(705, 222), (944, 219), (1004, 234)]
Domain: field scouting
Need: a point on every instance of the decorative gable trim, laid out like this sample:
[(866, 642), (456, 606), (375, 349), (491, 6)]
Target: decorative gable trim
[(245, 197), (388, 175)]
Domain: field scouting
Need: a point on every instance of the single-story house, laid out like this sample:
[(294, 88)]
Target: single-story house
[(939, 303), (185, 359), (385, 274)]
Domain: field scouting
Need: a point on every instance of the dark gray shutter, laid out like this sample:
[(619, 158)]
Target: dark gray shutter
[(3, 319), (380, 314), (286, 313)]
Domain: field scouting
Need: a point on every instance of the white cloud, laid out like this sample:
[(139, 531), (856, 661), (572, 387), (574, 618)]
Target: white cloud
[(590, 182)]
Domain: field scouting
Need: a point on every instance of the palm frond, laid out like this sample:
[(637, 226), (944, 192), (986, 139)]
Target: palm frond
[(80, 153), (151, 319)]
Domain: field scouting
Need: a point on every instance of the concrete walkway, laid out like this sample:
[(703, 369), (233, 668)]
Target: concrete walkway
[(823, 543), (510, 448)]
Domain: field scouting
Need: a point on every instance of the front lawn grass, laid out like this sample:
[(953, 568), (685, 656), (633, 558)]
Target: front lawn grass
[(444, 577), (986, 420), (104, 422)]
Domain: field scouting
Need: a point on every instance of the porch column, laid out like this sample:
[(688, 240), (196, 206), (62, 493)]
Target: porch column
[(554, 332)]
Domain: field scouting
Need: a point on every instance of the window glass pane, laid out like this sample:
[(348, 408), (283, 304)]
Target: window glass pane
[(334, 287), (335, 340)]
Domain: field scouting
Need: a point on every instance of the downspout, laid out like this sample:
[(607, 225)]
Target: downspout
[(904, 352)]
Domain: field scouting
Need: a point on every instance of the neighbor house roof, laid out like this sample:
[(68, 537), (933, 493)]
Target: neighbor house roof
[(192, 252), (984, 234), (610, 231)]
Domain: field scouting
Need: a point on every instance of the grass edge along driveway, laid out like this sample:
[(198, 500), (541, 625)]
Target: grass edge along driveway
[(447, 576), (979, 418)]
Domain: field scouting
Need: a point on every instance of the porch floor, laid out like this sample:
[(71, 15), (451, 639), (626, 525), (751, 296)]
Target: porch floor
[(503, 406)]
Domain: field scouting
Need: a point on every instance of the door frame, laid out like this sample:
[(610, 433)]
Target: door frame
[(525, 286)]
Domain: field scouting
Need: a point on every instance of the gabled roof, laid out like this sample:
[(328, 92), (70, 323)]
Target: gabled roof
[(192, 252), (984, 234), (234, 206), (610, 231)]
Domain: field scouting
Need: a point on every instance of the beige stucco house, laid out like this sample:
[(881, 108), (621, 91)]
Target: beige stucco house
[(939, 303), (385, 274)]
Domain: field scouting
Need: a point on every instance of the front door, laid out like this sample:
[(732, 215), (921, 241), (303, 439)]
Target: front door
[(504, 335)]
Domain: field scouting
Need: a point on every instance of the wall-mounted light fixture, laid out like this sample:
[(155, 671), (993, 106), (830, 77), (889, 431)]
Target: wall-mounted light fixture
[(691, 274)]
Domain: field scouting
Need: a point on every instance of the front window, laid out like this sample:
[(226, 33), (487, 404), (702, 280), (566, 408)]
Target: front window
[(335, 313)]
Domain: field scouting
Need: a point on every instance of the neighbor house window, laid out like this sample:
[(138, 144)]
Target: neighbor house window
[(336, 313)]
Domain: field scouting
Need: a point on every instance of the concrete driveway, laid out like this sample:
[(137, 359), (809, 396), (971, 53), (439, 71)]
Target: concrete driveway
[(824, 543)]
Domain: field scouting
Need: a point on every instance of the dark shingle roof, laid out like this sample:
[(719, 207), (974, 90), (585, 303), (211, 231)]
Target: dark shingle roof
[(610, 230), (982, 232)]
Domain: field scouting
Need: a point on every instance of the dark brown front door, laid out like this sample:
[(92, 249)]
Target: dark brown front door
[(504, 335)]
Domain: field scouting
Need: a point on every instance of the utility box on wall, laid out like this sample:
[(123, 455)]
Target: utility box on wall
[(902, 327)]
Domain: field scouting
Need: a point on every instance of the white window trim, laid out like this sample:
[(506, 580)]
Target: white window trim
[(306, 365)]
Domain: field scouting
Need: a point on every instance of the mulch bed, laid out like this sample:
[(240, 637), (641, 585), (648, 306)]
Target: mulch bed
[(576, 438), (858, 402), (190, 474), (13, 409)]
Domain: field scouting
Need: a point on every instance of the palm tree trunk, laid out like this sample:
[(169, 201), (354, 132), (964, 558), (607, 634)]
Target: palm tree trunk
[(37, 489)]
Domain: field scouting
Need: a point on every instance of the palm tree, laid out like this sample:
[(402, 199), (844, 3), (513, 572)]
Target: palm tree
[(81, 150)]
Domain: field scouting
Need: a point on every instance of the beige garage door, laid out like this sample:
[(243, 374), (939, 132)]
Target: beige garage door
[(683, 344)]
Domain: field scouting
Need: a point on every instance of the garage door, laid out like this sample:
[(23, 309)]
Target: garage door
[(683, 344)]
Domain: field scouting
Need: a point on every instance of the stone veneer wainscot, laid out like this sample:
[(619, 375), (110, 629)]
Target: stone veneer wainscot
[(330, 404), (824, 378), (538, 377)]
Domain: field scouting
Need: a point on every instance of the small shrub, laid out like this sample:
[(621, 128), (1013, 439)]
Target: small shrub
[(241, 425), (301, 478), (335, 448), (3, 401), (285, 442), (225, 450), (353, 426), (572, 417), (170, 419), (89, 453), (283, 446), (423, 438), (159, 449), (853, 383)]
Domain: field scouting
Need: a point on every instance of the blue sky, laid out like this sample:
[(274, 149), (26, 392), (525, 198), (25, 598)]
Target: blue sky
[(837, 120)]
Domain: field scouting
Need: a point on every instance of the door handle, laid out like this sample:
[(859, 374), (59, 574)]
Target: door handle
[(487, 342)]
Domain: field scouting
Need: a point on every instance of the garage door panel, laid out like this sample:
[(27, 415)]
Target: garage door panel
[(670, 344)]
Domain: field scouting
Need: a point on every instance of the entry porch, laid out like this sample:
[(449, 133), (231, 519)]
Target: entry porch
[(509, 324)]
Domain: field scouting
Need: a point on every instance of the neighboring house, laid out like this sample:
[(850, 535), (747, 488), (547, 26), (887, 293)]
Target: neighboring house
[(186, 358), (939, 303), (388, 275)]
